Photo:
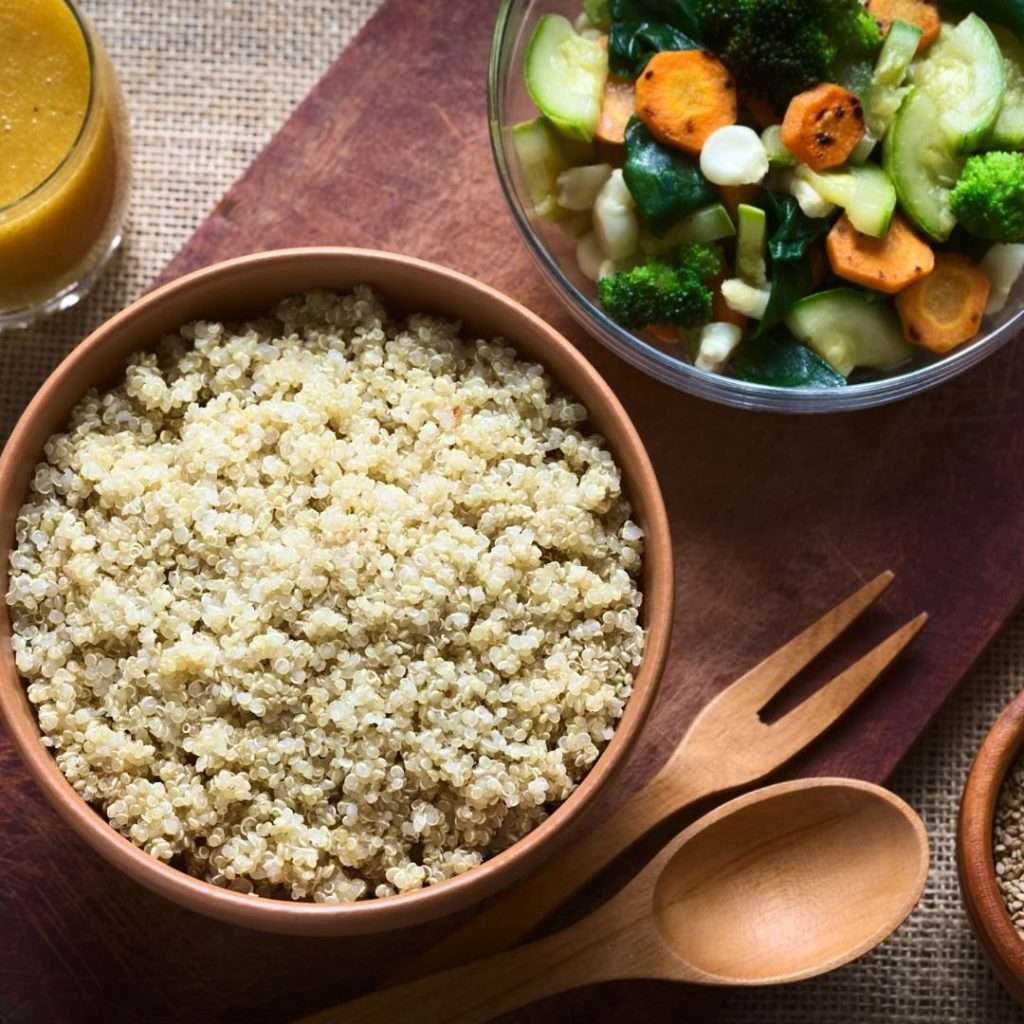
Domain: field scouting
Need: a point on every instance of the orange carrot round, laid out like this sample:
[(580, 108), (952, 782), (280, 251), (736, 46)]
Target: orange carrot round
[(684, 96), (823, 126), (921, 13), (887, 264), (944, 310)]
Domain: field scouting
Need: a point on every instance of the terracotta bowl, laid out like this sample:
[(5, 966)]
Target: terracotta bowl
[(982, 898), (242, 288)]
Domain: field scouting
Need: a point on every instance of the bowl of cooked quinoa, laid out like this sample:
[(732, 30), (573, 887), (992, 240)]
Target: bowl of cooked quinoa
[(335, 587)]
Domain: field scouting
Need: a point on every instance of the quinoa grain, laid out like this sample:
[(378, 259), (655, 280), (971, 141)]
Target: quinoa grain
[(327, 606)]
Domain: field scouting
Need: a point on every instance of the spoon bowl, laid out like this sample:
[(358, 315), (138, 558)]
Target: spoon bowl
[(781, 884), (791, 881)]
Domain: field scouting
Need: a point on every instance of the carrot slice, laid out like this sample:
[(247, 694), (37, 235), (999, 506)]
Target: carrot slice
[(945, 309), (617, 108), (887, 264), (921, 13), (823, 126), (684, 96)]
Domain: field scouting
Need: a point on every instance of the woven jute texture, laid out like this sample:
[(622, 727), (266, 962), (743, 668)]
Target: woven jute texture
[(208, 81)]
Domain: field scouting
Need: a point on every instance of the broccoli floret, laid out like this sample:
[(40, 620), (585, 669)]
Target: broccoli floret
[(853, 30), (705, 261), (988, 200), (656, 293), (778, 48)]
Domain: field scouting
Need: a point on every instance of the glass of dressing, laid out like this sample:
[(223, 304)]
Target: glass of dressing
[(64, 159)]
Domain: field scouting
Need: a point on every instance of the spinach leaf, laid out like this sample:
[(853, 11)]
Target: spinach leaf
[(778, 359), (665, 184), (788, 246), (631, 44), (793, 231), (681, 14)]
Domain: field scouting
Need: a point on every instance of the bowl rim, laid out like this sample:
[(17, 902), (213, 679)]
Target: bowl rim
[(431, 902), (979, 888), (675, 372)]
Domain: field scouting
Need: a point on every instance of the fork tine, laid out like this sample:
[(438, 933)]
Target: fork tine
[(765, 680), (811, 718)]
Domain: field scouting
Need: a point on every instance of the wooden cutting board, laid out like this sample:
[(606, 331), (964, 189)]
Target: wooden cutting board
[(774, 519)]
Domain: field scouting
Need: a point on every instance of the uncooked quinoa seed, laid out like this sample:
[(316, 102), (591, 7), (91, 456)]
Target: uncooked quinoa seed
[(1009, 843), (327, 606)]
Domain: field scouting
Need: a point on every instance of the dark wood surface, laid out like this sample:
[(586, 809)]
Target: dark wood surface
[(774, 520)]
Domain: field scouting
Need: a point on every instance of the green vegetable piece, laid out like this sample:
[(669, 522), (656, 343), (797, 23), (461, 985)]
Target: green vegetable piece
[(631, 44), (712, 224), (683, 15), (856, 78), (778, 48), (750, 245), (988, 200), (779, 360), (921, 163), (850, 328), (965, 75), (656, 293), (778, 155), (703, 261), (1008, 131), (1003, 12), (599, 12), (543, 155), (793, 234), (864, 191), (887, 92), (565, 76), (665, 184)]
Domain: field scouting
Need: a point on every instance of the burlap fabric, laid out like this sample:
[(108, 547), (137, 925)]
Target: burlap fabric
[(207, 84)]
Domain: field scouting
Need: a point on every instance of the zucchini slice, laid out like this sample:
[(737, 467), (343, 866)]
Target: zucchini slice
[(965, 75), (565, 76), (865, 191), (849, 328), (923, 165)]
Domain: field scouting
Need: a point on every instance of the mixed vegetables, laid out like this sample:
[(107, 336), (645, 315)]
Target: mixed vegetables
[(789, 191)]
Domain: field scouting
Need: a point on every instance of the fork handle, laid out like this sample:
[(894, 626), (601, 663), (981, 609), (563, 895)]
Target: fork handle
[(508, 918)]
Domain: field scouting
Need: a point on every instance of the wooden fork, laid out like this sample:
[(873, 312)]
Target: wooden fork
[(727, 746)]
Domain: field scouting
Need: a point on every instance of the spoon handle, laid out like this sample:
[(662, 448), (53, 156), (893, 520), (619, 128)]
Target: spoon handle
[(509, 917), (485, 989)]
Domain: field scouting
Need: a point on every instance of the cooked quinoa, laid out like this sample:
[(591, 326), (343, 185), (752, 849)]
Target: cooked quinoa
[(327, 605)]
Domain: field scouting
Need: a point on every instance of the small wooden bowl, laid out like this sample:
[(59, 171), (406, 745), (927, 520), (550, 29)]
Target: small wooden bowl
[(246, 287), (975, 858)]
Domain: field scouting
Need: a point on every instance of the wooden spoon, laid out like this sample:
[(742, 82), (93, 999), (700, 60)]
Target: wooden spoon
[(778, 885)]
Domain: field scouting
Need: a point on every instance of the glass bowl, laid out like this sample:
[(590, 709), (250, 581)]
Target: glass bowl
[(553, 249)]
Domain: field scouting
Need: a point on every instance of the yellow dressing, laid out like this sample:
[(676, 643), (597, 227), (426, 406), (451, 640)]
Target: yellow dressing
[(44, 91), (63, 155)]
